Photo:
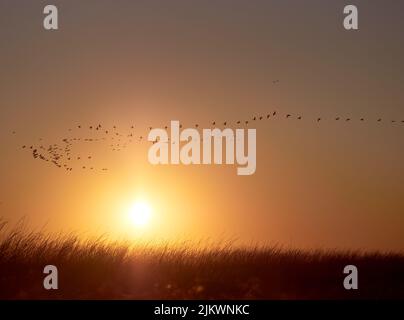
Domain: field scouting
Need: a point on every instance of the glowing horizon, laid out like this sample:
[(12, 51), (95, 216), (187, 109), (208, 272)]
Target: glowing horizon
[(319, 182)]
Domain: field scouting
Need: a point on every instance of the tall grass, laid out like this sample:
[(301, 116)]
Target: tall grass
[(101, 269)]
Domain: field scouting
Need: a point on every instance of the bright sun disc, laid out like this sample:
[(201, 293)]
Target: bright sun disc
[(140, 214)]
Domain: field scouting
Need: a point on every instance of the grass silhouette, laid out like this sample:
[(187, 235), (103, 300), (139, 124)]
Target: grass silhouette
[(101, 269)]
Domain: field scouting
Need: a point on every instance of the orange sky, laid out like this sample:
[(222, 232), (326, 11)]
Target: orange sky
[(328, 184)]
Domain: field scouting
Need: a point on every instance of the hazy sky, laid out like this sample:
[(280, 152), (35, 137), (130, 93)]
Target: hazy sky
[(144, 63)]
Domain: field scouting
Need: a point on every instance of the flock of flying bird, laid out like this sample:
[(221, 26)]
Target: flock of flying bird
[(62, 156)]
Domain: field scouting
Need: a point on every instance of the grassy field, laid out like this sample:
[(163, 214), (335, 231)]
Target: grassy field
[(99, 269)]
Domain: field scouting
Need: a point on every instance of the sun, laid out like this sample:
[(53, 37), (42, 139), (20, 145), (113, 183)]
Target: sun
[(140, 214)]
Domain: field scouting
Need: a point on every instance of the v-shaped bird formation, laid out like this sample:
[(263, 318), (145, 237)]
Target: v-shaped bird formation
[(62, 154)]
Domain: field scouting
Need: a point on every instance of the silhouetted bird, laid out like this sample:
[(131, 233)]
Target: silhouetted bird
[(299, 117), (318, 119), (362, 119), (348, 119), (268, 115), (337, 118), (225, 123), (214, 123), (288, 115), (379, 120), (274, 113)]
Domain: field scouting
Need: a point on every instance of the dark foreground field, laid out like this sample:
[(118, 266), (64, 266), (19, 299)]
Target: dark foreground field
[(97, 269)]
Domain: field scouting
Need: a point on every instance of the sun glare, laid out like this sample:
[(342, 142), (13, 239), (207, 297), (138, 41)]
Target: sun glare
[(140, 214)]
